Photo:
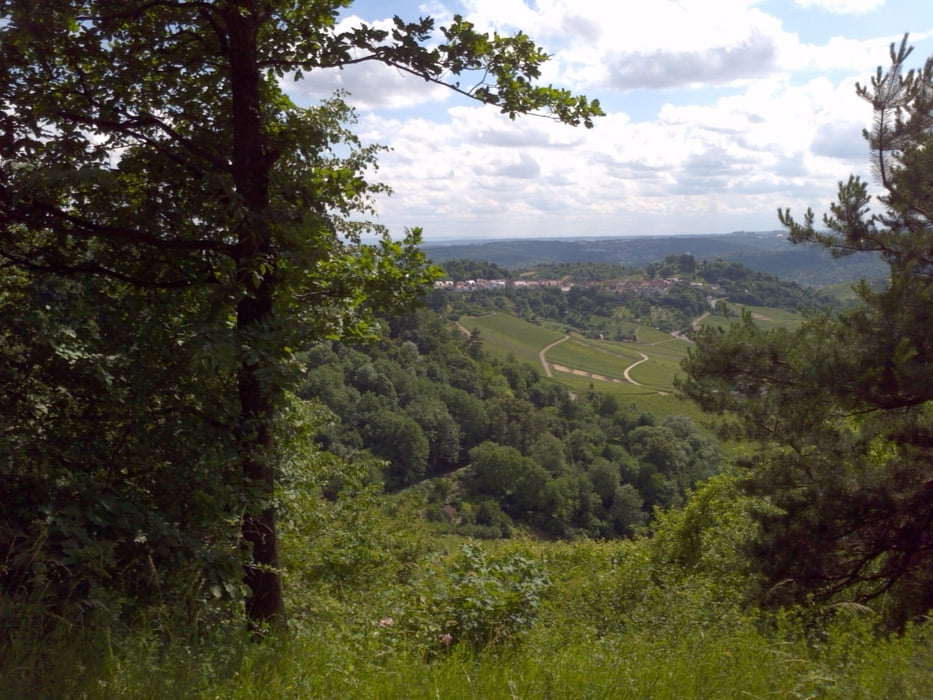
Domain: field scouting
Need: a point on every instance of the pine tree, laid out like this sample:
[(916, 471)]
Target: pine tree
[(842, 409)]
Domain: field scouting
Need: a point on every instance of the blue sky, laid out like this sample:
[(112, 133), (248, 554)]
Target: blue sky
[(718, 113)]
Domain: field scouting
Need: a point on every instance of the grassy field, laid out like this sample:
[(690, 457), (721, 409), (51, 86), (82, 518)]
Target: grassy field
[(844, 291), (584, 355), (602, 629), (586, 362), (764, 316), (503, 335), (656, 373), (649, 400), (646, 365), (580, 363)]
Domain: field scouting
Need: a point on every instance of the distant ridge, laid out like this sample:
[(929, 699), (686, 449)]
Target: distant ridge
[(765, 251)]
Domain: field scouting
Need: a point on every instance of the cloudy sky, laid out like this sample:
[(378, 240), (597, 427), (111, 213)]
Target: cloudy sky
[(718, 113)]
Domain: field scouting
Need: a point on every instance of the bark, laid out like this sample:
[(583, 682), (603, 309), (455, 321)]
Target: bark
[(265, 604)]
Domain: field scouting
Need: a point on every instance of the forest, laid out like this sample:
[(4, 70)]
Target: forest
[(250, 447)]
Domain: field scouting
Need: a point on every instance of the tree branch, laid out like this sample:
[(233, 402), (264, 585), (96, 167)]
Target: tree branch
[(90, 229)]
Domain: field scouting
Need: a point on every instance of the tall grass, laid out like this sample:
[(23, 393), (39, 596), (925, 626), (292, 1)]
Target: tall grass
[(613, 626), (654, 617)]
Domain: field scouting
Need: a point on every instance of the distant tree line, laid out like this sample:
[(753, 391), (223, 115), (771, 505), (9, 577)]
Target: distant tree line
[(589, 306), (739, 283), (462, 270), (591, 309)]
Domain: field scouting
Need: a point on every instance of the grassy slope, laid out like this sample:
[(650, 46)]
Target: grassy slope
[(764, 316), (598, 364), (604, 631), (503, 335)]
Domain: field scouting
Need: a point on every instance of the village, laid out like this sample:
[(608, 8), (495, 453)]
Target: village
[(642, 287)]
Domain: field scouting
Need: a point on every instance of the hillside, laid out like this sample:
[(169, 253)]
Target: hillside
[(767, 252), (540, 406)]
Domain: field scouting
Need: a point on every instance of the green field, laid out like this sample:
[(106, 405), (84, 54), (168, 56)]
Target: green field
[(610, 359), (649, 400), (646, 334), (586, 356), (764, 316), (504, 335), (599, 364), (655, 373)]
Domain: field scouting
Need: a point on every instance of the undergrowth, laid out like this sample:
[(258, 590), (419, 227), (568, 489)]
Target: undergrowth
[(381, 609)]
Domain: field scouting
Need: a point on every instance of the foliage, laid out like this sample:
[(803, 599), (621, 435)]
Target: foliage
[(512, 447), (464, 269), (99, 412), (765, 251), (579, 272), (739, 283), (474, 600), (841, 407), (656, 640), (332, 516), (611, 301), (152, 162)]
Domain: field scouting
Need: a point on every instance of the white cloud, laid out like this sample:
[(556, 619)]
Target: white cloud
[(753, 57), (843, 7), (371, 86), (836, 53), (775, 144), (769, 120)]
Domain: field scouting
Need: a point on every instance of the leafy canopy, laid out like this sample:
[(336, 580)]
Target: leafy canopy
[(156, 179)]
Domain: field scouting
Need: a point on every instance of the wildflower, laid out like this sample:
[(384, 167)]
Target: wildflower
[(386, 622), (447, 639)]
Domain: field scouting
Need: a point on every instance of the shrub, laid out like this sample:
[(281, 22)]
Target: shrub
[(478, 604)]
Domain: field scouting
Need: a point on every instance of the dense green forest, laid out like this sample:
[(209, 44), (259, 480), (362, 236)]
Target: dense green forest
[(517, 448), (512, 446), (246, 454)]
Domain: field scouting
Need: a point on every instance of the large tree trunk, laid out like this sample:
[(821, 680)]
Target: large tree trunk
[(255, 261), (265, 604)]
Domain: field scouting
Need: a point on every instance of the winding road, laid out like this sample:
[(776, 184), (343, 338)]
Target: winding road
[(628, 377), (548, 368)]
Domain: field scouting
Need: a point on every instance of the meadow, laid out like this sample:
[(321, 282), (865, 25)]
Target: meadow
[(504, 335), (609, 620), (764, 316), (580, 363), (384, 603)]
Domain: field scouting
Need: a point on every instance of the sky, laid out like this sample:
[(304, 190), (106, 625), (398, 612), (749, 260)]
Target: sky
[(718, 112)]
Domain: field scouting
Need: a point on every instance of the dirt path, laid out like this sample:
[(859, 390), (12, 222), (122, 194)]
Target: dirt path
[(548, 369), (628, 377), (589, 375), (696, 323)]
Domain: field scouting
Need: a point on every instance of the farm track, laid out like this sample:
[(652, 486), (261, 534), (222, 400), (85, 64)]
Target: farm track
[(550, 368), (542, 356), (644, 358)]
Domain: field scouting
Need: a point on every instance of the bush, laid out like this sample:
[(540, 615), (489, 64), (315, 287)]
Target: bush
[(478, 604)]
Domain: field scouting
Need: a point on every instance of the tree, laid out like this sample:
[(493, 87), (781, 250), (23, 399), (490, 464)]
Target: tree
[(148, 146), (841, 409), (398, 438), (503, 472)]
